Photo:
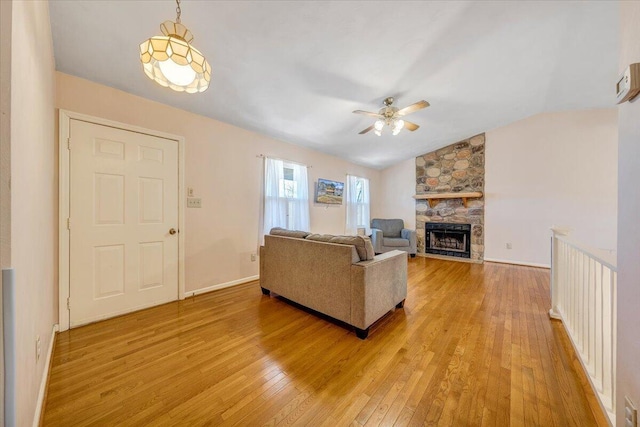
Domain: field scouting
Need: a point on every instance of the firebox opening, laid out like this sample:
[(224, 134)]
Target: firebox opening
[(448, 239)]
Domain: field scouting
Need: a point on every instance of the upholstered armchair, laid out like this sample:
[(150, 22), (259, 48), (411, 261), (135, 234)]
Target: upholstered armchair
[(390, 234)]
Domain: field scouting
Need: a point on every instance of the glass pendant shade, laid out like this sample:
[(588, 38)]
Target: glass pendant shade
[(397, 126), (171, 61), (378, 125)]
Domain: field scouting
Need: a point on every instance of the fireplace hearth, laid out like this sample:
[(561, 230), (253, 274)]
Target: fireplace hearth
[(446, 239)]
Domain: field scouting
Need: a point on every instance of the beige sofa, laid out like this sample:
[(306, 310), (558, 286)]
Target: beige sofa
[(330, 278)]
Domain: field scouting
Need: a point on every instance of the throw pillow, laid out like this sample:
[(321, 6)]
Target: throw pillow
[(368, 245), (357, 241)]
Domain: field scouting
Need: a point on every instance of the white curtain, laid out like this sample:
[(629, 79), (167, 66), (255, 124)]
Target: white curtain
[(357, 196), (275, 212), (286, 198), (299, 205)]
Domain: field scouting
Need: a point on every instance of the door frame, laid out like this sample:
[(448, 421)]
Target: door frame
[(64, 198)]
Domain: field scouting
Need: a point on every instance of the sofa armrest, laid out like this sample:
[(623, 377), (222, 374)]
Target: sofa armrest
[(377, 286), (261, 256), (411, 236), (376, 240)]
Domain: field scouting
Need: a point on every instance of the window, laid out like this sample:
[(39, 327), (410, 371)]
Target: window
[(288, 187), (357, 204), (286, 195)]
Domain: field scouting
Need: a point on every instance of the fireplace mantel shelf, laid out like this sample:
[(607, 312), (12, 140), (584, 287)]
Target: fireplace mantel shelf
[(434, 197)]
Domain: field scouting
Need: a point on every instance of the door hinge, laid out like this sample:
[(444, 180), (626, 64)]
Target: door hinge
[(69, 303), (68, 223), (68, 143)]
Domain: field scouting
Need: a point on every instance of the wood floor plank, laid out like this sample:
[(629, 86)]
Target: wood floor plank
[(473, 346)]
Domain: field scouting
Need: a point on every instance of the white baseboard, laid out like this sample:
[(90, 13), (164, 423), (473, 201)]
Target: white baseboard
[(45, 378), (223, 285), (556, 315), (528, 264)]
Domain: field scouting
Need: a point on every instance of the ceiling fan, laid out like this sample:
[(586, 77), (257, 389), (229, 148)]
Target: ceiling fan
[(390, 115)]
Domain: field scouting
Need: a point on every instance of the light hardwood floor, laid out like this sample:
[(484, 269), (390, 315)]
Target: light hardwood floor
[(473, 346)]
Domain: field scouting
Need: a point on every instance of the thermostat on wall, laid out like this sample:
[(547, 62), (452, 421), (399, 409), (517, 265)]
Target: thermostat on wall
[(628, 85)]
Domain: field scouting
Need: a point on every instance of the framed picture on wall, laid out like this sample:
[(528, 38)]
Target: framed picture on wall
[(329, 192)]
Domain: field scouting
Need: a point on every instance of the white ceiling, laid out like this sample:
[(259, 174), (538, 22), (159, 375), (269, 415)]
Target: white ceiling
[(296, 70)]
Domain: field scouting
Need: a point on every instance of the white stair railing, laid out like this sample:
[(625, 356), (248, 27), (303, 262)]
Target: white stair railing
[(583, 296)]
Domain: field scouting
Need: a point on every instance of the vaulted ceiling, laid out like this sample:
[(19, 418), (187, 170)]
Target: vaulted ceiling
[(296, 70)]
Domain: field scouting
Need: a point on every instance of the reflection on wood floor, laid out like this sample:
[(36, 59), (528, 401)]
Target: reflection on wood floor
[(472, 346)]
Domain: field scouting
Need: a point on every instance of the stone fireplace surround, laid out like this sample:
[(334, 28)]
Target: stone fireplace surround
[(456, 168)]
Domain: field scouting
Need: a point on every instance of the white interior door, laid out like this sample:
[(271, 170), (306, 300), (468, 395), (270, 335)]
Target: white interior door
[(123, 221)]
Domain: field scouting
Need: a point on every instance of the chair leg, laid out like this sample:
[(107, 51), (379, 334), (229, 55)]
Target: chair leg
[(400, 304), (265, 291), (362, 333)]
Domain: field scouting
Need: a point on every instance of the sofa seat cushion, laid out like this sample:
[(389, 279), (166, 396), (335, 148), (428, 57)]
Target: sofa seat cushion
[(395, 242), (278, 231), (389, 227)]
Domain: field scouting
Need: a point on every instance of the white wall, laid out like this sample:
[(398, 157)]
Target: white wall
[(628, 352), (5, 163), (550, 169), (34, 195), (5, 135), (397, 188), (222, 167)]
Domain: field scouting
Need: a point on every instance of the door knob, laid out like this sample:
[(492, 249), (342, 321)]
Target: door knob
[(172, 231)]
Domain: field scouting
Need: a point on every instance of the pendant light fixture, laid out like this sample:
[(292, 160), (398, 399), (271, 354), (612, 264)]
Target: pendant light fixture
[(171, 61)]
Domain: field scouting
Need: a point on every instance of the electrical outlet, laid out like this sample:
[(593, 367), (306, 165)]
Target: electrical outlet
[(253, 257), (189, 191), (630, 413), (37, 348), (508, 245), (193, 202)]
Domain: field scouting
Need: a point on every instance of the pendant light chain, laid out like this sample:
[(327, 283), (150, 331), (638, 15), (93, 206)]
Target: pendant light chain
[(178, 11)]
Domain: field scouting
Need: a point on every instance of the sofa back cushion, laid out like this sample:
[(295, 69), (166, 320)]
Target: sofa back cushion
[(362, 244), (320, 237), (278, 231), (326, 238), (389, 227)]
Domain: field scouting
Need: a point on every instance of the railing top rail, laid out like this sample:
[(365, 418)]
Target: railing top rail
[(603, 256)]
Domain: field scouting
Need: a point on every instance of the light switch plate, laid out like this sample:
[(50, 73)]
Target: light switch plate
[(193, 202), (628, 86)]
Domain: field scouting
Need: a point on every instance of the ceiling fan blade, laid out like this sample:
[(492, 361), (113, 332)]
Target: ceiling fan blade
[(366, 130), (367, 113), (412, 108), (410, 126)]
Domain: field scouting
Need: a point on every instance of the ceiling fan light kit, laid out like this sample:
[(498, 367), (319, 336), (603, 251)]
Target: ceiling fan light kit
[(171, 61), (390, 116)]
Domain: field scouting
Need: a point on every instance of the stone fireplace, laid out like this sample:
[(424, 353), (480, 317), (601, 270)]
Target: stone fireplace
[(457, 168)]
